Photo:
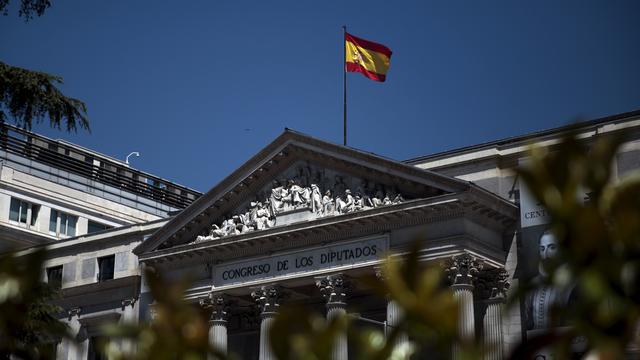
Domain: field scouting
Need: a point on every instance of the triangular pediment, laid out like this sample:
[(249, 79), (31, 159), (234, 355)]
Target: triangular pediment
[(298, 178)]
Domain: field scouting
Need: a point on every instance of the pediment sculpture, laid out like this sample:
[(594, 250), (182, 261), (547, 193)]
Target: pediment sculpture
[(300, 196)]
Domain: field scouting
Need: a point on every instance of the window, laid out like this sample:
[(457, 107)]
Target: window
[(54, 276), (96, 226), (62, 223), (105, 267), (23, 212)]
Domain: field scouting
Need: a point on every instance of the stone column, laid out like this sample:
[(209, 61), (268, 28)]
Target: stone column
[(334, 289), (394, 314), (218, 304), (68, 348), (128, 317), (268, 301), (461, 271), (129, 310), (494, 285), (493, 329)]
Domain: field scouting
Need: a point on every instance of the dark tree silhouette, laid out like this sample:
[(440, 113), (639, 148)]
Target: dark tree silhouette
[(27, 96), (27, 8)]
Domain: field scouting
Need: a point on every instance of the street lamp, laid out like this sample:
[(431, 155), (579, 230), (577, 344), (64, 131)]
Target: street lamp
[(134, 153)]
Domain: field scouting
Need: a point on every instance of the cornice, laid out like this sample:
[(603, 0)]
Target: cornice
[(336, 228)]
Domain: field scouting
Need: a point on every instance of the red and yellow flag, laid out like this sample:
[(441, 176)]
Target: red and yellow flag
[(366, 57)]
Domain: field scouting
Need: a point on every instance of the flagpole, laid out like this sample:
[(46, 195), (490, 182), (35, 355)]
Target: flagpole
[(344, 79)]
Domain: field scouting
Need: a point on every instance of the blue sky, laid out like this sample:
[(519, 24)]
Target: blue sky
[(198, 87)]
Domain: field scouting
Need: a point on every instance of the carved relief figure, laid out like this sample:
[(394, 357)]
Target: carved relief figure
[(294, 194), (262, 216), (358, 202), (316, 199), (278, 193), (346, 203), (376, 201), (328, 206)]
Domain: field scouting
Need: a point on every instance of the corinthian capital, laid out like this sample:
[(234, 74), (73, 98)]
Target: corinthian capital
[(462, 269), (218, 304), (268, 298), (334, 288), (492, 284)]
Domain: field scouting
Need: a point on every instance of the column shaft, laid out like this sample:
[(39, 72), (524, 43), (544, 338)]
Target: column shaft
[(462, 271), (334, 289), (394, 314), (268, 300), (218, 304), (493, 330), (218, 335), (340, 345), (129, 316), (265, 347), (466, 322)]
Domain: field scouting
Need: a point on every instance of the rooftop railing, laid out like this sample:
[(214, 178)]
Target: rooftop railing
[(94, 166)]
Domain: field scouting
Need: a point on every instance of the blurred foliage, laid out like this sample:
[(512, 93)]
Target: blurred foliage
[(430, 318), (596, 222), (598, 255), (178, 330), (29, 326)]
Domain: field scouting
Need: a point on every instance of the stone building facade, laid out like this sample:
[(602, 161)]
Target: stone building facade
[(304, 221)]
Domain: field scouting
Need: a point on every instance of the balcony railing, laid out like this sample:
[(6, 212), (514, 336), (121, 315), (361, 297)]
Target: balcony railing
[(94, 167)]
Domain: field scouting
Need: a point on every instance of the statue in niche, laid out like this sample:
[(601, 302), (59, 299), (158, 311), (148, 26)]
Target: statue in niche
[(328, 206), (316, 199), (346, 203)]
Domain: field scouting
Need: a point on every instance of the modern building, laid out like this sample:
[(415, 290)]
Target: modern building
[(52, 190), (303, 217)]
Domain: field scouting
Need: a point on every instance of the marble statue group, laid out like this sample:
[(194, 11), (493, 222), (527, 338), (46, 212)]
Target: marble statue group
[(300, 193)]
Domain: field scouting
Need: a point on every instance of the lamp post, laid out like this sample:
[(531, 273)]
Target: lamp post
[(134, 153)]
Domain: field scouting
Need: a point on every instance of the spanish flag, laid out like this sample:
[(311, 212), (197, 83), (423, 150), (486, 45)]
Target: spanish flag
[(366, 57)]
